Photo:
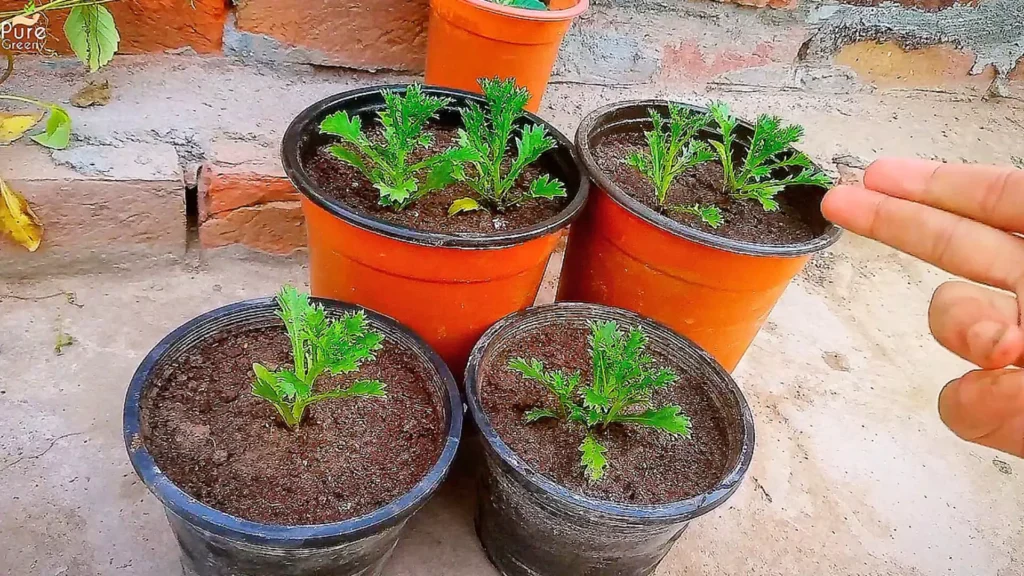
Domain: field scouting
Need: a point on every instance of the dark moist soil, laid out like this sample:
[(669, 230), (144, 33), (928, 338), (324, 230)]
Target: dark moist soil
[(744, 219), (229, 450), (645, 466), (430, 213)]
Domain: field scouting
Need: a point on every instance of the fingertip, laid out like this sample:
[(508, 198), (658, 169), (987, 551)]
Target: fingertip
[(899, 176), (839, 203)]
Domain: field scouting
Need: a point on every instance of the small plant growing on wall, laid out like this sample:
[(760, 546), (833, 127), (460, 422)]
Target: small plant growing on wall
[(485, 141), (769, 151), (624, 380), (320, 345), (672, 152), (388, 165)]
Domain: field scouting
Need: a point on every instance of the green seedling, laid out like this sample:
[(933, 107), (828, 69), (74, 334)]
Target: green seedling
[(319, 345), (671, 152), (770, 150), (485, 139), (388, 165), (621, 390)]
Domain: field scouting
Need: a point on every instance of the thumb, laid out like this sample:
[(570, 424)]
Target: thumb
[(987, 407)]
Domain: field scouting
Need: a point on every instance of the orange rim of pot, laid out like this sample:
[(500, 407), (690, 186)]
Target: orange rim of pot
[(569, 13), (634, 113), (308, 122)]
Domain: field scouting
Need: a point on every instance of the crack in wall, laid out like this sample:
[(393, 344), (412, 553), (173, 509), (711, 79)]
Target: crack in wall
[(993, 31)]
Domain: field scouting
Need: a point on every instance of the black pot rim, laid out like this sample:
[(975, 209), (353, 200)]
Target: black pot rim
[(304, 184), (596, 118), (176, 501), (673, 512)]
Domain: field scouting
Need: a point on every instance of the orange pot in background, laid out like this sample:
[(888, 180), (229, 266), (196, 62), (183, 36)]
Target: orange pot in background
[(472, 39), (714, 290), (448, 288)]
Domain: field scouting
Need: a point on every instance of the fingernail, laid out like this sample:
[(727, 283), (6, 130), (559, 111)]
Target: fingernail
[(985, 337)]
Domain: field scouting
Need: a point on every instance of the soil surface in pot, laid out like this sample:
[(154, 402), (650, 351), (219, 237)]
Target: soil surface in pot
[(645, 466), (229, 449), (744, 219), (430, 213)]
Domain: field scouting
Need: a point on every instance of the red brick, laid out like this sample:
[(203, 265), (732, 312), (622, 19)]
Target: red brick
[(275, 228), (222, 190), (688, 61), (388, 34), (151, 25)]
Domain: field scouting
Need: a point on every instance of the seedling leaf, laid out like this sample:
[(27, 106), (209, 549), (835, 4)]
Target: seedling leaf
[(593, 459), (485, 139), (57, 134), (388, 165), (463, 205), (671, 148), (769, 151), (621, 390), (319, 345)]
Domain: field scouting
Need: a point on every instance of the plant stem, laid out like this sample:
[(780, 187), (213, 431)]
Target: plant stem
[(38, 103)]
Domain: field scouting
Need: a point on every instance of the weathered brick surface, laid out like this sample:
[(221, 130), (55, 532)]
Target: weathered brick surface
[(152, 25), (926, 5), (887, 64), (688, 61), (786, 4), (389, 34), (92, 222), (245, 198)]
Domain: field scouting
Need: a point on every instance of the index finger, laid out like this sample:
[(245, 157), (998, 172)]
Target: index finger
[(993, 195), (959, 246)]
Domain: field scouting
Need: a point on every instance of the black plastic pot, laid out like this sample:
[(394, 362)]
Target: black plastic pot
[(448, 288), (715, 290), (217, 544), (532, 526)]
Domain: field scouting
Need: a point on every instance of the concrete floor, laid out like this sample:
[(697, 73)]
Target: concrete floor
[(853, 474)]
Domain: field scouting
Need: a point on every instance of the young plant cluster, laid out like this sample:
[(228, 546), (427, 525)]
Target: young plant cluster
[(479, 159), (319, 345), (673, 150), (624, 380)]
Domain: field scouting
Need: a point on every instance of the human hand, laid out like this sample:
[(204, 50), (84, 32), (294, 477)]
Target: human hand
[(965, 220)]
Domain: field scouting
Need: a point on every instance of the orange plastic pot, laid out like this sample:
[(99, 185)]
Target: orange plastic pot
[(472, 39), (714, 290), (448, 288)]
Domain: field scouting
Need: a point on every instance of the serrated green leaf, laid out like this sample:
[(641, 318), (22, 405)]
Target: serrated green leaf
[(291, 385), (463, 205), (594, 399), (547, 187), (265, 384), (367, 388), (536, 414), (342, 125), (92, 34), (710, 215), (593, 459), (319, 344), (669, 419), (349, 157), (57, 134)]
